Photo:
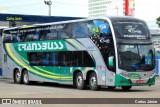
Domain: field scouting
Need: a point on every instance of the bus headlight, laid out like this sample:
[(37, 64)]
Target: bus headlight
[(124, 74)]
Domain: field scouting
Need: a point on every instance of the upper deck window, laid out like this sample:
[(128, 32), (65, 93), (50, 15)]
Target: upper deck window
[(65, 32), (131, 29), (80, 30), (74, 30)]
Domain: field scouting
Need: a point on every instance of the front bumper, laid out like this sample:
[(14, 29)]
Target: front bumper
[(122, 81)]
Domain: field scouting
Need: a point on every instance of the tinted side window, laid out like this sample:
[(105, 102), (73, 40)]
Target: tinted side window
[(80, 30), (87, 60), (51, 35), (29, 36), (38, 58), (66, 32), (53, 58), (43, 58), (68, 58), (48, 34), (79, 59), (7, 38), (76, 58)]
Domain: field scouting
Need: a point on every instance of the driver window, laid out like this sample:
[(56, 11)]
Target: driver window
[(110, 59)]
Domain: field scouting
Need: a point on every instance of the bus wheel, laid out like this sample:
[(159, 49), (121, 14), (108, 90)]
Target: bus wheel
[(80, 83), (26, 78), (17, 77), (93, 82), (126, 88)]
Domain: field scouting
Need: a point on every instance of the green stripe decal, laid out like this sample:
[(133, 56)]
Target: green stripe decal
[(38, 68), (73, 44), (42, 74)]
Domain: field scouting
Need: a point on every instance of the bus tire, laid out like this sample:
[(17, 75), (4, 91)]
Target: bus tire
[(93, 82), (126, 88), (26, 78), (17, 77), (80, 83)]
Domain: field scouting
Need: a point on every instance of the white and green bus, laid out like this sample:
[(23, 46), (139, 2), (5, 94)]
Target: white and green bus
[(106, 51)]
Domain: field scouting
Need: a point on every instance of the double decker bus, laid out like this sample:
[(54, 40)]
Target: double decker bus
[(106, 51)]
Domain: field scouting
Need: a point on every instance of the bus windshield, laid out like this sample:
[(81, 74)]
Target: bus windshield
[(131, 29), (136, 57)]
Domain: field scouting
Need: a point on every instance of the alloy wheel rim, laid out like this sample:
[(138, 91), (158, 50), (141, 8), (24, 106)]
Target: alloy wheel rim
[(93, 81), (18, 76), (26, 78), (79, 80)]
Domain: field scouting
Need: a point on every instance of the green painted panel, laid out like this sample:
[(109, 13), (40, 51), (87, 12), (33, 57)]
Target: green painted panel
[(65, 72), (127, 82), (119, 79), (152, 80), (39, 46)]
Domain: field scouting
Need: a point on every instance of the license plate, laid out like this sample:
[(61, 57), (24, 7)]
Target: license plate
[(140, 81)]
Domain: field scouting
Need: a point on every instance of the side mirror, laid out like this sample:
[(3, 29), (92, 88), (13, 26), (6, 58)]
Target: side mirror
[(110, 61)]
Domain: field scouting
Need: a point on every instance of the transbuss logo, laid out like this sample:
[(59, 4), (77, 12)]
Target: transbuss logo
[(40, 46)]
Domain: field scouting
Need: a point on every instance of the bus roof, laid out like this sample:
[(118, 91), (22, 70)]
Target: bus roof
[(76, 20)]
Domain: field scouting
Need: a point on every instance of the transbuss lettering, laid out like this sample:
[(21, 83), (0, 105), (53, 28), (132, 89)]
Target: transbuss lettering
[(56, 46), (40, 46)]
